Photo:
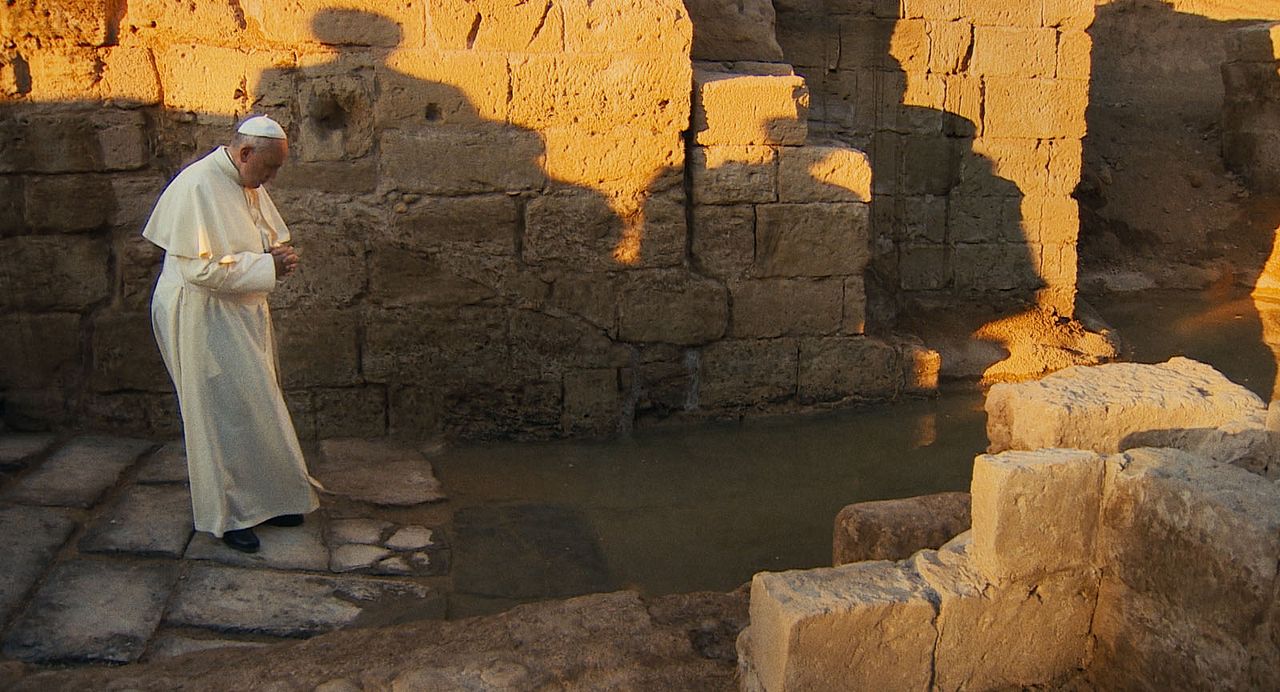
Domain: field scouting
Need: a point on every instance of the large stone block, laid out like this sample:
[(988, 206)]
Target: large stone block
[(123, 75), (1200, 537), (839, 367), (671, 307), (330, 235), (993, 638), (855, 305), (1014, 52), (733, 30), (1036, 108), (864, 43), (810, 41), (350, 412), (591, 296), (661, 27), (125, 355), (723, 240), (909, 46), (1075, 55), (212, 23), (49, 202), (924, 267), (786, 307), (931, 9), (625, 162), (424, 88), (545, 346), (1067, 14), (598, 93), (950, 48), (576, 228), (822, 239), (40, 350), (746, 373), (317, 347), (896, 529), (734, 174), (985, 267), (482, 222), (809, 629), (987, 13), (592, 402), (496, 158), (818, 173), (207, 79), (1035, 513), (743, 108), (1112, 407), (55, 142), (54, 272), (356, 23), (419, 345), (88, 22)]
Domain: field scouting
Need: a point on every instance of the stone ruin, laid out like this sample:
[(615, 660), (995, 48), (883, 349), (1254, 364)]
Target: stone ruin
[(545, 219), (1125, 535)]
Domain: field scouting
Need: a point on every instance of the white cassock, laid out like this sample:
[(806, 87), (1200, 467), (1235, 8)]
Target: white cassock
[(211, 320)]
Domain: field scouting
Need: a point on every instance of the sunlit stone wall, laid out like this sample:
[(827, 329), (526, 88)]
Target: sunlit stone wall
[(973, 115)]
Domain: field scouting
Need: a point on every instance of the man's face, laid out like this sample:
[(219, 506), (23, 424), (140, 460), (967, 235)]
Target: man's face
[(258, 164)]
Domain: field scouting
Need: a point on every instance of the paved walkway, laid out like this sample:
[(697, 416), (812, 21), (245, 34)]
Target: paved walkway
[(100, 562)]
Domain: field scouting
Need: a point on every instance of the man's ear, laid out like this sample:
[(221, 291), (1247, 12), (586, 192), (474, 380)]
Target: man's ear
[(245, 153)]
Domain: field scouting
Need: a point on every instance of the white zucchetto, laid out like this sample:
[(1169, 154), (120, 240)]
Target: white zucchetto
[(262, 126)]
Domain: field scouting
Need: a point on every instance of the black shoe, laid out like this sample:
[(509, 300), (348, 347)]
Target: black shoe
[(243, 540), (285, 520)]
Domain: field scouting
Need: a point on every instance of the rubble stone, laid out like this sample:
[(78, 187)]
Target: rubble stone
[(895, 529), (78, 473), (401, 476)]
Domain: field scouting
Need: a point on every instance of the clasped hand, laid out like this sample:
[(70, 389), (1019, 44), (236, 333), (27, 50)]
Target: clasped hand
[(286, 259)]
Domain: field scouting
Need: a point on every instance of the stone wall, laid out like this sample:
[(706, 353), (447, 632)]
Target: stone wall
[(1151, 568), (1251, 105), (499, 232), (973, 115)]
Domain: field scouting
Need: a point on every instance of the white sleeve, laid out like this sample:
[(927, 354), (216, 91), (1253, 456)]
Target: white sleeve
[(244, 272)]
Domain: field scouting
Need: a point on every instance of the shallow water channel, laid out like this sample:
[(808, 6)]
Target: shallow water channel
[(681, 509)]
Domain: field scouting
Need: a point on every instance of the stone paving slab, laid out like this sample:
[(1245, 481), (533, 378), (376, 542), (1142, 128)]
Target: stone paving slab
[(17, 448), (377, 471), (227, 599), (79, 473), (148, 520), (29, 538), (93, 610), (293, 547), (170, 644), (167, 465)]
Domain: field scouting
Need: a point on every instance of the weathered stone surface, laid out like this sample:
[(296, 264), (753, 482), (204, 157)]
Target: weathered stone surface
[(354, 556), (671, 307), (147, 520), (808, 629), (1035, 108), (1014, 493), (166, 465), (834, 368), (106, 140), (746, 372), (292, 548), (599, 92), (92, 611), (497, 159), (361, 530), (379, 472), (823, 173), (350, 411), (284, 605), (744, 108), (1013, 51), (786, 307), (31, 538), (53, 272), (822, 239), (410, 538), (1217, 528), (526, 551), (723, 239), (125, 355), (730, 174), (78, 473), (49, 342), (167, 645), (732, 30), (592, 401), (16, 449), (895, 529), (47, 204), (317, 348), (1112, 407)]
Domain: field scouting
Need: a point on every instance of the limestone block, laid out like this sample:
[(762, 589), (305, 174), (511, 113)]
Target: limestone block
[(786, 307), (963, 104), (579, 228), (744, 373), (496, 26), (49, 202), (337, 118), (125, 355), (53, 272), (350, 412), (931, 9), (1021, 162), (201, 22), (731, 174), (735, 108), (1067, 14), (671, 307), (356, 23), (1014, 52), (413, 410), (950, 45), (1140, 638), (544, 345), (854, 320), (407, 277), (909, 45), (810, 41), (413, 344), (1065, 156), (1035, 513), (592, 402), (836, 368), (330, 236), (210, 79), (428, 87), (661, 27), (917, 104), (821, 239), (599, 92), (995, 266), (722, 240), (317, 347), (895, 529), (864, 43), (1075, 55), (53, 142), (922, 367), (43, 349), (993, 638), (1103, 407), (591, 296), (1217, 529), (1035, 108), (486, 223), (810, 629), (815, 173), (624, 162), (987, 13), (496, 158), (929, 164), (733, 30), (89, 22), (924, 267), (1254, 43), (12, 221)]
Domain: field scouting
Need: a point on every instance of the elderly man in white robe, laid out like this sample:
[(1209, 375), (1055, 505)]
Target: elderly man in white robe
[(225, 250)]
